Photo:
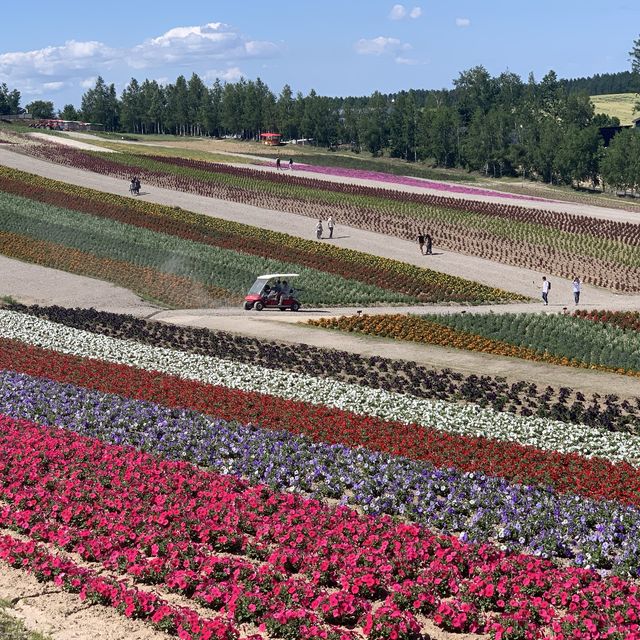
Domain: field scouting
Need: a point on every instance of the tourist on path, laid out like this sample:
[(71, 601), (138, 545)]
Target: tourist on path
[(577, 287), (421, 241), (429, 244), (319, 230), (330, 225), (546, 287), (290, 164), (278, 164)]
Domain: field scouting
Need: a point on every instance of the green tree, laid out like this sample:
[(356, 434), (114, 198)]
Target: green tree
[(197, 102), (620, 166), (375, 127), (439, 135), (475, 90), (486, 142), (635, 68), (213, 109), (154, 106), (177, 111), (100, 105), (9, 101), (41, 109), (68, 113), (286, 114), (231, 107), (132, 107)]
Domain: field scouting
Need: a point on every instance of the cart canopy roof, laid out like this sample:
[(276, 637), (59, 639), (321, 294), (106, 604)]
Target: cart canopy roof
[(268, 276)]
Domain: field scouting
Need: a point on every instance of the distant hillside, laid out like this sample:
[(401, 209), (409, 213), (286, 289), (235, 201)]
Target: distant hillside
[(617, 104)]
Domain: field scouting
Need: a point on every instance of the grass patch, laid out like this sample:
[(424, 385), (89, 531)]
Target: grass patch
[(619, 105), (13, 629)]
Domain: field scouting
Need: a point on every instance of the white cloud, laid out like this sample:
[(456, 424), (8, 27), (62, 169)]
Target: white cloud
[(186, 45), (88, 83), (79, 63), (398, 11), (230, 74), (462, 22), (55, 61), (408, 61), (380, 45)]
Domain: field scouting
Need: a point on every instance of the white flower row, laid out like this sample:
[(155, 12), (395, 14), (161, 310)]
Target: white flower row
[(467, 419)]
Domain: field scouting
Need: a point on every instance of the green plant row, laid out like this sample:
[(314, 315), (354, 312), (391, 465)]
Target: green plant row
[(210, 265), (563, 336)]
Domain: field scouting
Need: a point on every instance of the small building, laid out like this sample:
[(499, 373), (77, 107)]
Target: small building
[(66, 125), (636, 123), (16, 117), (270, 138)]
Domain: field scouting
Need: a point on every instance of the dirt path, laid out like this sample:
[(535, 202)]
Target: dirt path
[(68, 142), (524, 281), (45, 608), (33, 284)]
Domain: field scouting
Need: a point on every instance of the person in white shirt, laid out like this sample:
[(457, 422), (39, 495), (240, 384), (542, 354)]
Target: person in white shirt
[(577, 287), (546, 286)]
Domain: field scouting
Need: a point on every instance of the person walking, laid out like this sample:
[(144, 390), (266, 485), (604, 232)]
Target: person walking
[(546, 287), (290, 164), (421, 241), (278, 164), (330, 225), (577, 287), (429, 244), (319, 230)]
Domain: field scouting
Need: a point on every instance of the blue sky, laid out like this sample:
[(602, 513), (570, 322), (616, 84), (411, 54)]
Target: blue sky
[(337, 47)]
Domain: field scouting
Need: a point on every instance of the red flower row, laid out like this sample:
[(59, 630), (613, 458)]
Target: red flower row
[(594, 478), (97, 589), (307, 568)]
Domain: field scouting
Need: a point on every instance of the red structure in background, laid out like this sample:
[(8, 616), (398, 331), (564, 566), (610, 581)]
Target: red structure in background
[(271, 138)]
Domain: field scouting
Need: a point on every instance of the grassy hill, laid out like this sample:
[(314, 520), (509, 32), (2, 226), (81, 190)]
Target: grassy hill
[(617, 104)]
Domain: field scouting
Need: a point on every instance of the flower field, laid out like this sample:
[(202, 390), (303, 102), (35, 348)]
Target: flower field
[(409, 181), (603, 251), (608, 342), (185, 259), (188, 479)]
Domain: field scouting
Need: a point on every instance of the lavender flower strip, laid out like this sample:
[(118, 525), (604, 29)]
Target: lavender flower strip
[(476, 507)]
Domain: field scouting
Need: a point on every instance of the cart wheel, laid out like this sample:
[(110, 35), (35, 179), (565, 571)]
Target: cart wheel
[(295, 306), (247, 306), (281, 308), (258, 306)]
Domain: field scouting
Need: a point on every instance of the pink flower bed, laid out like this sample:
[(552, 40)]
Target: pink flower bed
[(413, 182), (292, 567)]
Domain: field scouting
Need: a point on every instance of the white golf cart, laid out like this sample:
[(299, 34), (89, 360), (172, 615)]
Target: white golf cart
[(272, 291)]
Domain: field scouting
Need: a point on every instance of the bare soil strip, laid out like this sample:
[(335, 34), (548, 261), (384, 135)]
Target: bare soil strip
[(45, 608)]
